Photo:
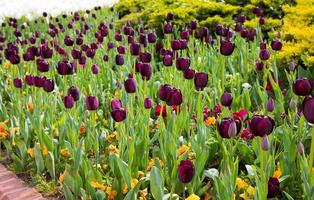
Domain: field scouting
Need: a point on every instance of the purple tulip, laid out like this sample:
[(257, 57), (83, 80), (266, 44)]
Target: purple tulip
[(184, 34), (264, 54), (29, 79), (259, 66), (121, 49), (203, 32), (182, 63), (226, 127), (148, 103), (152, 37), (90, 52), (68, 41), (92, 103), (119, 59), (118, 114), (302, 87), (193, 25), (39, 81), (257, 11), (167, 28), (261, 125), (226, 47), (95, 69), (241, 18), (74, 92), (189, 73), (18, 83), (110, 45), (169, 17), (273, 187), (276, 45), (146, 71), (265, 143), (300, 148), (115, 104), (226, 99), (130, 84), (49, 85), (163, 92), (175, 45), (308, 109), (143, 39), (174, 98), (261, 20), (145, 57), (186, 171), (68, 101), (42, 65), (200, 80), (135, 49), (167, 60), (65, 68)]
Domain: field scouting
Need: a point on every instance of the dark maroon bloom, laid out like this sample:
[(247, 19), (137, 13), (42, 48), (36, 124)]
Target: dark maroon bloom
[(264, 54), (203, 32), (244, 33), (167, 60), (68, 101), (241, 18), (152, 37), (92, 103), (225, 128), (130, 84), (82, 60), (259, 66), (221, 30), (226, 99), (261, 125), (184, 34), (49, 85), (182, 63), (110, 45), (273, 187), (105, 58), (251, 35), (160, 110), (90, 52), (146, 71), (95, 69), (28, 56), (308, 109), (238, 27), (261, 20), (189, 73), (39, 81), (169, 17), (118, 37), (119, 59), (148, 103), (183, 44), (14, 59), (200, 80), (65, 68), (276, 45), (42, 65), (175, 44), (226, 47), (121, 49), (17, 82), (143, 39), (174, 97), (186, 171), (302, 87), (118, 114), (130, 39), (76, 54), (115, 104), (79, 41), (68, 41), (29, 79), (145, 57), (193, 24), (135, 49), (257, 11), (164, 90), (46, 52), (74, 92), (167, 28), (262, 45)]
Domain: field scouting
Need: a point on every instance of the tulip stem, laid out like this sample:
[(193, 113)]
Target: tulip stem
[(312, 150)]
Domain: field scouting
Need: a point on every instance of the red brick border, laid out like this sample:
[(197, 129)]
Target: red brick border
[(13, 188)]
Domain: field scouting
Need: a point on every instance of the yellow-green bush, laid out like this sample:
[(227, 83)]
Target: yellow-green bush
[(298, 33)]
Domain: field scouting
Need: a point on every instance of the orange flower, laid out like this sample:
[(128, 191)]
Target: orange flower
[(30, 106), (182, 150), (210, 121), (82, 129)]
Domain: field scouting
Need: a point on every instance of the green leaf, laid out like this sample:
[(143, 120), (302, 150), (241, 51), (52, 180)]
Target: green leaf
[(50, 164), (67, 193), (211, 173), (39, 160), (122, 168), (78, 156), (156, 183)]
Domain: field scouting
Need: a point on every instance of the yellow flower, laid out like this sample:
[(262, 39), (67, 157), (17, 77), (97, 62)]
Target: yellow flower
[(250, 191), (30, 106), (111, 193), (312, 170), (116, 94), (157, 126), (182, 150), (6, 65), (98, 186), (143, 194), (65, 153), (45, 151), (61, 177), (241, 184), (125, 190), (277, 173), (140, 174), (152, 163), (113, 149), (210, 121), (193, 197), (111, 137), (30, 152)]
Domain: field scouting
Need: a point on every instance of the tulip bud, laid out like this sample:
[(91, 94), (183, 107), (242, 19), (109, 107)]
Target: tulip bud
[(95, 69), (264, 54), (74, 92), (130, 84), (118, 114), (293, 104), (17, 82), (147, 103), (167, 28), (265, 143), (302, 87), (49, 85), (92, 103), (270, 105), (200, 80), (226, 99), (261, 125), (119, 59), (186, 171), (292, 65), (276, 45), (300, 148), (167, 60), (68, 101), (193, 24), (226, 47)]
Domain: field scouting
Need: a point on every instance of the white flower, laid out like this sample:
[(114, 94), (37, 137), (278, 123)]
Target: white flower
[(246, 86)]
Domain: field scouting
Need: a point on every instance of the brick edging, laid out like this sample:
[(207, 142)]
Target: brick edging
[(13, 188)]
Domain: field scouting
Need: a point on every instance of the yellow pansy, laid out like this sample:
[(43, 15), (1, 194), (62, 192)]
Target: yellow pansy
[(182, 150), (30, 152), (45, 151), (98, 186), (30, 106), (113, 149), (210, 121), (241, 184), (65, 153), (61, 177), (111, 193)]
